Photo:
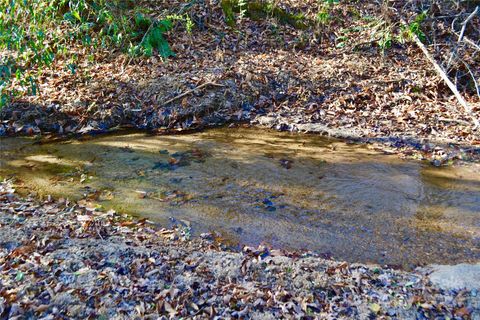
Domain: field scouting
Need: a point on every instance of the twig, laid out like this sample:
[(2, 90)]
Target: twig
[(444, 76), (462, 34), (464, 23), (469, 41), (191, 91), (453, 120), (124, 66), (98, 232), (473, 78)]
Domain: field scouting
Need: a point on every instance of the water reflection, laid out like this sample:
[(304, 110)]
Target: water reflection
[(294, 191)]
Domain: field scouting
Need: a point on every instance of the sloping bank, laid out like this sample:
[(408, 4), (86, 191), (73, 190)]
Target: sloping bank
[(61, 260), (276, 67)]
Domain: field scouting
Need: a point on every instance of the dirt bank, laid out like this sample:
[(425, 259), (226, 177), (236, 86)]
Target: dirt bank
[(315, 79)]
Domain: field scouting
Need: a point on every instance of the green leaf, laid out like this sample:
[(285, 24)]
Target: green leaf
[(147, 49), (19, 276), (76, 15), (142, 22), (158, 42), (164, 25)]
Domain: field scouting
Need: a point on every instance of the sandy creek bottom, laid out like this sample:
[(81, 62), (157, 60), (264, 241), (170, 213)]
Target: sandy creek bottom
[(254, 186)]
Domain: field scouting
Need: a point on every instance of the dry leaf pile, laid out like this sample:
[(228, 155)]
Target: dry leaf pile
[(331, 79)]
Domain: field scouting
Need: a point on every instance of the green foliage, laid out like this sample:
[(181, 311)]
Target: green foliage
[(228, 11), (386, 34), (324, 16), (153, 37), (242, 6), (413, 29), (34, 33), (386, 39), (258, 10)]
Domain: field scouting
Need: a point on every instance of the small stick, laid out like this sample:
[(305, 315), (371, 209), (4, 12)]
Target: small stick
[(191, 91), (453, 120), (464, 23), (477, 86), (462, 34), (471, 42)]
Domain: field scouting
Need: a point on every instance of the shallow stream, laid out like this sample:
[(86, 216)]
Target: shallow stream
[(255, 186)]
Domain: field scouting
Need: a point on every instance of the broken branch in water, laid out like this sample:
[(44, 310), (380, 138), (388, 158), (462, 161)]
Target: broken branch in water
[(191, 91)]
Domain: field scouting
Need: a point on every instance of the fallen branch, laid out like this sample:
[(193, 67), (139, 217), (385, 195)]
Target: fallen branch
[(465, 123), (444, 76), (470, 42), (191, 91)]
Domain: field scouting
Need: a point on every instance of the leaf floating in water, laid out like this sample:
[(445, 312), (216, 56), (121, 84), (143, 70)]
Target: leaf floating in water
[(181, 159), (269, 205), (165, 166), (173, 161), (175, 197), (127, 149)]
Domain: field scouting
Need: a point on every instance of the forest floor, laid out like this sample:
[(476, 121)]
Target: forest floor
[(62, 260), (332, 79)]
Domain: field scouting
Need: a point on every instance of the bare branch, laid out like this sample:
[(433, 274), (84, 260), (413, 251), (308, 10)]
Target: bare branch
[(464, 23), (473, 78), (444, 76), (462, 34), (191, 91), (469, 41)]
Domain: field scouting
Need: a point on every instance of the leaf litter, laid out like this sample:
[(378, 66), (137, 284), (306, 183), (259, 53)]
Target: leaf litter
[(333, 80), (60, 259)]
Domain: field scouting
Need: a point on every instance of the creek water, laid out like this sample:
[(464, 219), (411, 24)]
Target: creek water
[(254, 186)]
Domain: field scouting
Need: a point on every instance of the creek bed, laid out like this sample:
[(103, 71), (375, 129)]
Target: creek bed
[(253, 186)]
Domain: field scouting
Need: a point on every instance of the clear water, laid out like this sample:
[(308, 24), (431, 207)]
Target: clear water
[(255, 186)]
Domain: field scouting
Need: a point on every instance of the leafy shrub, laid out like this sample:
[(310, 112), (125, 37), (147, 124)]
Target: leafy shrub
[(34, 33), (414, 28)]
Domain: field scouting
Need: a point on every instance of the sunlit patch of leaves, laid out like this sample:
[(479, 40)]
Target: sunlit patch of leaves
[(234, 10)]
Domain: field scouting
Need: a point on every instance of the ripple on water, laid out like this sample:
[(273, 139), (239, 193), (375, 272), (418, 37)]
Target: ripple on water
[(288, 190)]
